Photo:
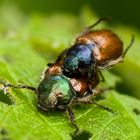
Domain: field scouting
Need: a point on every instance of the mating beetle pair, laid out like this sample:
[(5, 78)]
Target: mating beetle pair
[(76, 72)]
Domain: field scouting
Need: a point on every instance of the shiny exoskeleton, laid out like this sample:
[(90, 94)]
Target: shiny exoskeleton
[(79, 56), (81, 84), (54, 92), (93, 49)]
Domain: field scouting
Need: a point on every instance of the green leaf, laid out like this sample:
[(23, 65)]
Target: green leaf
[(24, 50)]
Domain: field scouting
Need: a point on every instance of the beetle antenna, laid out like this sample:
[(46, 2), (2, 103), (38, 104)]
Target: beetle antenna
[(21, 86), (129, 46), (88, 29), (101, 75)]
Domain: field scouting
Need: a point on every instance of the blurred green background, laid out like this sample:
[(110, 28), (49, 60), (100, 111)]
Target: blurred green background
[(126, 11)]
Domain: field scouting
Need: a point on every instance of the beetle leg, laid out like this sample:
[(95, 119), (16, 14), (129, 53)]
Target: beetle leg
[(89, 99), (92, 71), (98, 92), (129, 46), (101, 75), (90, 95), (72, 117), (62, 54), (86, 99), (59, 58), (88, 29), (103, 107), (21, 86), (99, 21)]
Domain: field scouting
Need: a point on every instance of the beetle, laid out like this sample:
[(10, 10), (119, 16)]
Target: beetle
[(53, 92), (81, 84), (59, 92), (93, 49), (56, 91)]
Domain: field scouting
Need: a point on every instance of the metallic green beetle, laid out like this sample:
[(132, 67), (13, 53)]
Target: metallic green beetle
[(53, 92)]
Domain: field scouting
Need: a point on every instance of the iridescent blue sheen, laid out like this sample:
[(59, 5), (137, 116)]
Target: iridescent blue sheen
[(79, 56)]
